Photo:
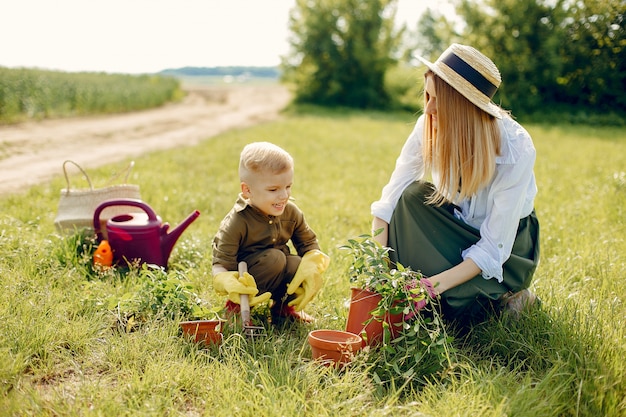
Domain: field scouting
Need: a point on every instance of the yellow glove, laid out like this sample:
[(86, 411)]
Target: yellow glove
[(249, 281), (260, 299), (297, 301), (229, 283), (308, 277)]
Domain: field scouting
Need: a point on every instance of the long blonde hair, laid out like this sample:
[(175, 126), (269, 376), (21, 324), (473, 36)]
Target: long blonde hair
[(462, 148)]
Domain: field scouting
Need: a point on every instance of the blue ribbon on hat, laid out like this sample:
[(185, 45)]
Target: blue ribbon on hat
[(468, 72)]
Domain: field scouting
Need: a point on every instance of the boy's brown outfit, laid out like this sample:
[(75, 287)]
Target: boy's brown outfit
[(247, 234)]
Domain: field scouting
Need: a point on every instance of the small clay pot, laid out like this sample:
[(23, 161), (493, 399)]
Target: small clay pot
[(207, 331), (334, 347), (361, 322)]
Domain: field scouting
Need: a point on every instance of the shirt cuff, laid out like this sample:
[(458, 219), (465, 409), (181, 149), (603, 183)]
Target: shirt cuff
[(383, 210), (490, 267)]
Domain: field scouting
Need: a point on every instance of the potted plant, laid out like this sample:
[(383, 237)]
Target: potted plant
[(204, 324), (207, 331), (383, 295), (395, 315)]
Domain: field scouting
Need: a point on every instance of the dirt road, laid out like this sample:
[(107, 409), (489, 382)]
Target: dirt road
[(33, 152)]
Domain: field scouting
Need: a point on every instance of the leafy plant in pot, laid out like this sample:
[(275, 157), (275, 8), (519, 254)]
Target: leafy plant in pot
[(382, 294), (204, 324), (206, 331), (393, 313)]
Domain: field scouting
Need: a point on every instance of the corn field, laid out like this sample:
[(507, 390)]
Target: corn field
[(39, 94)]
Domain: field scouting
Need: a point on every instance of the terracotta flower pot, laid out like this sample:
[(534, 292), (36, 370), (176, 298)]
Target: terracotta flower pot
[(334, 347), (362, 303), (207, 331)]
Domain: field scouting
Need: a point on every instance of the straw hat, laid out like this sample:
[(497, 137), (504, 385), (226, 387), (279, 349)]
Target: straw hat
[(470, 73)]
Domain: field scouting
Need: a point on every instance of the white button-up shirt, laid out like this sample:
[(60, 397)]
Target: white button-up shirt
[(495, 210)]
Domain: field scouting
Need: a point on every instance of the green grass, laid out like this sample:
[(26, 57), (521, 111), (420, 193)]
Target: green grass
[(62, 351)]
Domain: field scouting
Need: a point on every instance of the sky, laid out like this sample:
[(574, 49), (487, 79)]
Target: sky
[(146, 36)]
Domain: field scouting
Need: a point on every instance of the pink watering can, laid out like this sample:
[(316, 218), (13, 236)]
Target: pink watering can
[(139, 236)]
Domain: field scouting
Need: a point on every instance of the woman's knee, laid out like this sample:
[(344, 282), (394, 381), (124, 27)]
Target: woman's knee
[(418, 191)]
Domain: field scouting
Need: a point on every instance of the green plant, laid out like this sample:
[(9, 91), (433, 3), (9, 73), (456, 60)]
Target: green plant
[(76, 251), (162, 294), (422, 347), (422, 350), (153, 292), (370, 269)]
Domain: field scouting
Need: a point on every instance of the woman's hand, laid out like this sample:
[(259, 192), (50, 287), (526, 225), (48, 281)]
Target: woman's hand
[(454, 276)]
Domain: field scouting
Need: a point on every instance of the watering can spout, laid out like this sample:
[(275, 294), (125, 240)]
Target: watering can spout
[(168, 240)]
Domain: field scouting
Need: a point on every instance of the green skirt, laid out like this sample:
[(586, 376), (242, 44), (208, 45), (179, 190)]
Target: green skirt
[(430, 239)]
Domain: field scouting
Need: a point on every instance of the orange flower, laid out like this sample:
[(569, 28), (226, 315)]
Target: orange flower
[(103, 256)]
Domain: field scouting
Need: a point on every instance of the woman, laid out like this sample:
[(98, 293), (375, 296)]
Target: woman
[(472, 231)]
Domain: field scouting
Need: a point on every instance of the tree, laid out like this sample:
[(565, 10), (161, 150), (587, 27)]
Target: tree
[(594, 56), (434, 33), (524, 40), (552, 52), (340, 51)]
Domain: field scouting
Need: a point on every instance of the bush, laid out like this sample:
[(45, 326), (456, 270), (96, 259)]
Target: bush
[(405, 85)]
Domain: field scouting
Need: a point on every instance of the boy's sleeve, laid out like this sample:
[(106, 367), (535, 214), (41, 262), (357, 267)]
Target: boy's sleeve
[(226, 242), (304, 238)]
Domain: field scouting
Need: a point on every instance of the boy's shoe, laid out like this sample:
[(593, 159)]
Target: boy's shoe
[(280, 314), (232, 310), (520, 301)]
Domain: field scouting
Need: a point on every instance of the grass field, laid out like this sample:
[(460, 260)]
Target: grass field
[(63, 352)]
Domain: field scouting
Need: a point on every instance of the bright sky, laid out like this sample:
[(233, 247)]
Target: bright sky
[(144, 36)]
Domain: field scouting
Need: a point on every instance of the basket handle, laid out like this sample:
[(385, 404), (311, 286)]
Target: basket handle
[(113, 178), (67, 178), (130, 166)]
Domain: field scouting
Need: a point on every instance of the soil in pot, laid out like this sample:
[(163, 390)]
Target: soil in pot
[(207, 331), (334, 347), (360, 322)]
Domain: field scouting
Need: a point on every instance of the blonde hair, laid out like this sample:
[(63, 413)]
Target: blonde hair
[(462, 147), (263, 156)]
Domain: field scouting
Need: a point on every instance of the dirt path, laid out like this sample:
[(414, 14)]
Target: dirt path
[(33, 152)]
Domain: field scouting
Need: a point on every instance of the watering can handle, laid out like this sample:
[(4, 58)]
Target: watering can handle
[(120, 202)]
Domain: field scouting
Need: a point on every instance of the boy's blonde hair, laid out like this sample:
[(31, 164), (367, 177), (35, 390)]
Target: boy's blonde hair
[(263, 156), (462, 148)]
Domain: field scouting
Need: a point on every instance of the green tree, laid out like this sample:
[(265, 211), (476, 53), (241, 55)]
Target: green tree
[(340, 51), (552, 52), (594, 55), (434, 33), (524, 39), (559, 54)]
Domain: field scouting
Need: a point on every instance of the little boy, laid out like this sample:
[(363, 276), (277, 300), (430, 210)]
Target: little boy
[(257, 230)]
